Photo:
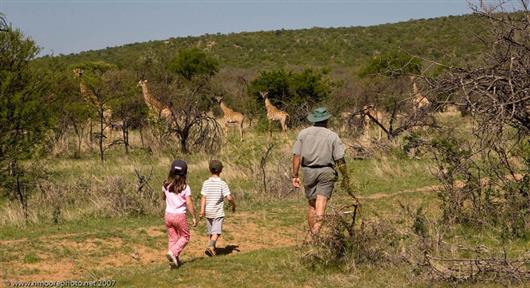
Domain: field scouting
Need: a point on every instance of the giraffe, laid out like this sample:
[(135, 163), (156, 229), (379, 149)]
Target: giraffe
[(231, 117), (273, 113), (419, 101), (156, 108), (91, 99), (377, 114), (351, 120)]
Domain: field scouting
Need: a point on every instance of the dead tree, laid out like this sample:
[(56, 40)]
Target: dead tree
[(493, 162), (192, 125)]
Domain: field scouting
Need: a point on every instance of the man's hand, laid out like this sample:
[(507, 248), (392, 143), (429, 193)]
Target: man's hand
[(296, 182), (201, 214), (194, 222)]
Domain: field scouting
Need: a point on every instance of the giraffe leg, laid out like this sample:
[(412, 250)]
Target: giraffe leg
[(270, 128), (110, 132)]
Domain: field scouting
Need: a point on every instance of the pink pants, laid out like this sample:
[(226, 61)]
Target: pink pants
[(178, 232)]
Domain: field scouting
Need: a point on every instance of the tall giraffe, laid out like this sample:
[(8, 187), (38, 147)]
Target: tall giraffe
[(156, 108), (418, 101), (231, 117), (273, 113), (91, 99)]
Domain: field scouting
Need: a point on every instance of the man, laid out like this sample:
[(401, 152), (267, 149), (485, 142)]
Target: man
[(318, 150)]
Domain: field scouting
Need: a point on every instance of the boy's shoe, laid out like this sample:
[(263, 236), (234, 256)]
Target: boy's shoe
[(173, 261), (210, 251)]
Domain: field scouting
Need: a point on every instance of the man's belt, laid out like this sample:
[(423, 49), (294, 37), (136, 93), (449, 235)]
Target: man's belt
[(317, 166)]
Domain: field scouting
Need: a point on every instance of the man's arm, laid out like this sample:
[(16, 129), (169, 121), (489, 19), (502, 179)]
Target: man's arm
[(295, 178)]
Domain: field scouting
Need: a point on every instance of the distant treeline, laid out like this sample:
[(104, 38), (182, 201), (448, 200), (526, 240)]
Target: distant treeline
[(449, 39)]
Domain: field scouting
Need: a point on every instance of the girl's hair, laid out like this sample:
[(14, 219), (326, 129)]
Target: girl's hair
[(175, 183)]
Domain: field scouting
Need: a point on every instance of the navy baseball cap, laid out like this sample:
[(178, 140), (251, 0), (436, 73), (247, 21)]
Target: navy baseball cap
[(179, 167)]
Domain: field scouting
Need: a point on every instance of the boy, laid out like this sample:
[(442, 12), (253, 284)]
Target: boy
[(213, 192)]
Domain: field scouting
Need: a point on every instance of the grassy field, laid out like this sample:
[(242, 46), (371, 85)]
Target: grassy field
[(262, 242)]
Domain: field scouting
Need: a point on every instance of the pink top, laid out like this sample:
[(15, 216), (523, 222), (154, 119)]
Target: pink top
[(176, 203)]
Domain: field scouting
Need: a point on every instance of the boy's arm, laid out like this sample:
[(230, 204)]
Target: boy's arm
[(191, 209), (228, 196), (232, 202), (203, 206)]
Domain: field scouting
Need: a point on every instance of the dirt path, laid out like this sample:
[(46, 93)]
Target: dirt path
[(381, 195), (72, 256), (458, 184)]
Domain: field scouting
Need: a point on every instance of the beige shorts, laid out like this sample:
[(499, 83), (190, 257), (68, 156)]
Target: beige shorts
[(215, 225), (319, 181)]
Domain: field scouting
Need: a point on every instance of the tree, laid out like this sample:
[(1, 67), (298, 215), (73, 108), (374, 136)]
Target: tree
[(293, 92), (186, 89), (74, 111), (392, 64), (494, 163), (190, 63), (98, 82), (385, 80), (24, 112), (195, 69), (127, 105)]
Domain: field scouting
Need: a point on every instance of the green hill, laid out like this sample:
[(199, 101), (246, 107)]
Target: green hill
[(452, 38)]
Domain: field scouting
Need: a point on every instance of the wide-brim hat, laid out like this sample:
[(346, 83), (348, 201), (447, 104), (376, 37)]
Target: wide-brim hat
[(179, 167), (318, 115)]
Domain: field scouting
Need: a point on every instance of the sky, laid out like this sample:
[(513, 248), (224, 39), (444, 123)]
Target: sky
[(64, 27)]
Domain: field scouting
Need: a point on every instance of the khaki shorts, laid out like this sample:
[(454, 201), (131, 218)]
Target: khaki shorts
[(319, 181)]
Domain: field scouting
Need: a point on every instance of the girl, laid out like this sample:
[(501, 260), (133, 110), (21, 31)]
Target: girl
[(177, 195)]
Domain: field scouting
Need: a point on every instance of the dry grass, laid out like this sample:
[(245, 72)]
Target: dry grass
[(85, 187)]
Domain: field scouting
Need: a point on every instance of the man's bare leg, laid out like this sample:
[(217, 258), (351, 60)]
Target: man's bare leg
[(320, 210), (311, 214)]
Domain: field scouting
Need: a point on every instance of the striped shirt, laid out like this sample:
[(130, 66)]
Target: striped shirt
[(214, 190)]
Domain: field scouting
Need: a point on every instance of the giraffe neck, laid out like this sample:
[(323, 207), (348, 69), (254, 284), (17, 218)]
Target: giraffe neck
[(87, 94), (151, 102), (269, 106), (225, 109)]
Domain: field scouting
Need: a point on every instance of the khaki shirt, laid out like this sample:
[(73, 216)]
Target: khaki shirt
[(318, 147)]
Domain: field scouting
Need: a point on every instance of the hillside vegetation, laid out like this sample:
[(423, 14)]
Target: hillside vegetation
[(444, 38)]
